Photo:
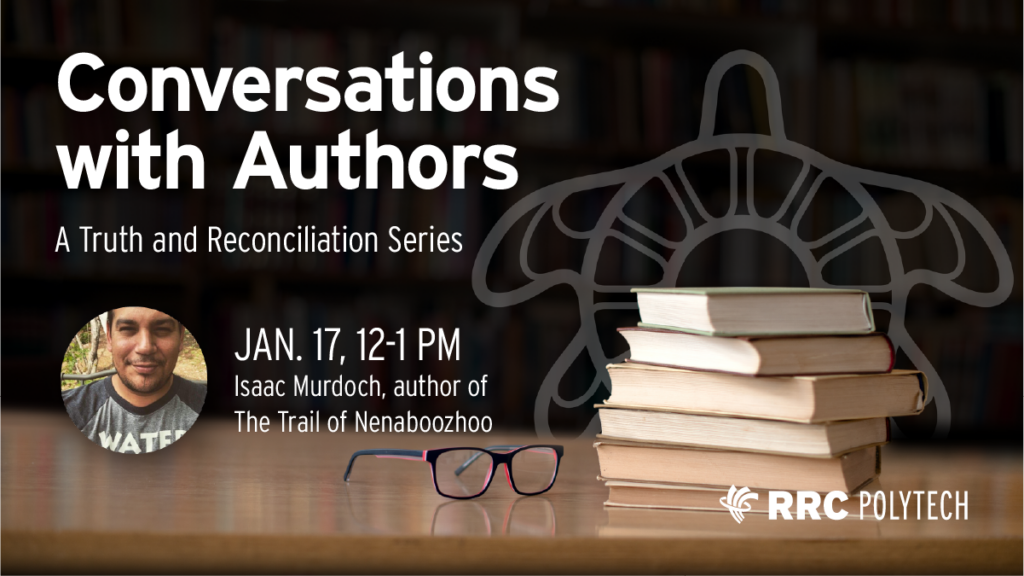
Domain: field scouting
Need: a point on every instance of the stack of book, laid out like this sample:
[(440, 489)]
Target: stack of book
[(764, 388)]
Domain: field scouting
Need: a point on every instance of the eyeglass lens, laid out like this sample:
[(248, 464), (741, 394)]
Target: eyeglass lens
[(471, 481), (533, 469)]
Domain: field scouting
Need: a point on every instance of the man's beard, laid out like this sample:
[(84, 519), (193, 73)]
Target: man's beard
[(141, 386)]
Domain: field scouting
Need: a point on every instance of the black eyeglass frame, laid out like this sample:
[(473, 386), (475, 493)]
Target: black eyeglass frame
[(497, 458)]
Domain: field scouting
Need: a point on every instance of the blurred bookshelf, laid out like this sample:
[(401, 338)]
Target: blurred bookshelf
[(926, 89)]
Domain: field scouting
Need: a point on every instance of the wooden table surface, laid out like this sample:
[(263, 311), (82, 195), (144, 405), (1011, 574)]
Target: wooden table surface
[(224, 501)]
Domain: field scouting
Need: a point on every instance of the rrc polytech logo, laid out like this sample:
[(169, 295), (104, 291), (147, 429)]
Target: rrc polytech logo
[(878, 503), (736, 500)]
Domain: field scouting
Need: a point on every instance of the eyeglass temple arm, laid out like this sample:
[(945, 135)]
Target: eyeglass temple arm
[(411, 454), (476, 455)]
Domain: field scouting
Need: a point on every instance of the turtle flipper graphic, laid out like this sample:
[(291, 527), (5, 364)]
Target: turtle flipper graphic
[(742, 214)]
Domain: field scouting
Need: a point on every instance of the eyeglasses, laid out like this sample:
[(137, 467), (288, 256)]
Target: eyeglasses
[(465, 473)]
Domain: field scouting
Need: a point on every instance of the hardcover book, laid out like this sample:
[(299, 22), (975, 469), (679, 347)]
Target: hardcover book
[(807, 399), (736, 311), (647, 462), (762, 356), (744, 434)]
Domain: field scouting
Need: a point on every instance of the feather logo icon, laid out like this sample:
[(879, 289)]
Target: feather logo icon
[(736, 502)]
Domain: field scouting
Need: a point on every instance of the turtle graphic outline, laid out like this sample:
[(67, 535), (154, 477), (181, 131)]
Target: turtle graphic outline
[(938, 203)]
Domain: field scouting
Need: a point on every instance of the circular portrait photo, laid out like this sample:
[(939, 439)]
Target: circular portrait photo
[(133, 380)]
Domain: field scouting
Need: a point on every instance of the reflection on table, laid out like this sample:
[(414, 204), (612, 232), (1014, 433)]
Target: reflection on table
[(525, 516)]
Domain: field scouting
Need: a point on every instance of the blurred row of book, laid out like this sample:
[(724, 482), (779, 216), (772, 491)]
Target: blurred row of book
[(368, 232), (32, 221), (925, 114), (749, 257), (737, 257), (625, 98), (157, 28), (895, 115), (166, 28), (35, 122), (978, 354), (959, 15)]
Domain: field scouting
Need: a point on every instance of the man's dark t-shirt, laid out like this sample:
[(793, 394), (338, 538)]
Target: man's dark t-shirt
[(110, 421)]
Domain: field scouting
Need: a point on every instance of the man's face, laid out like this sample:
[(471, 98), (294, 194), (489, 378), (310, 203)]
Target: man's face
[(144, 344)]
